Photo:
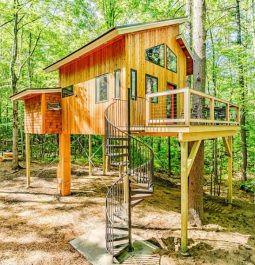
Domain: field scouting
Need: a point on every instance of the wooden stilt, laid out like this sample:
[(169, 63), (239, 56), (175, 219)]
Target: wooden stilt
[(28, 158), (64, 167), (184, 197), (90, 155), (104, 154), (230, 169)]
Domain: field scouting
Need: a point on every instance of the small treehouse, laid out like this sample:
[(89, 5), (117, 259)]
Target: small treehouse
[(129, 82)]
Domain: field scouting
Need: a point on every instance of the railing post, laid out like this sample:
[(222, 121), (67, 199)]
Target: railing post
[(227, 113), (187, 106), (212, 109), (147, 114), (129, 174)]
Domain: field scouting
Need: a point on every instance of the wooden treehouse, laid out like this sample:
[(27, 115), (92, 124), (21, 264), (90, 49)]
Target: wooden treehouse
[(129, 82)]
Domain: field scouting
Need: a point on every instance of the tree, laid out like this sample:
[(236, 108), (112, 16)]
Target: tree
[(196, 174)]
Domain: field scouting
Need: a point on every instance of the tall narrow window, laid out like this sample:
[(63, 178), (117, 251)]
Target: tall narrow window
[(102, 88), (117, 83), (171, 60), (151, 86), (133, 84)]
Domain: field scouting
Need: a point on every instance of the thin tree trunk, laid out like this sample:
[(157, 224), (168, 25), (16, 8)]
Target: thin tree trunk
[(243, 92), (196, 174), (188, 11), (169, 155)]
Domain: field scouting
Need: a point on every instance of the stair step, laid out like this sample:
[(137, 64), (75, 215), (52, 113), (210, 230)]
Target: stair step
[(140, 196), (150, 191), (118, 138), (119, 249), (116, 238), (116, 146), (120, 216), (117, 154), (134, 203), (140, 185), (120, 227)]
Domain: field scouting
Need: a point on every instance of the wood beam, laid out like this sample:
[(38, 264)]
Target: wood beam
[(90, 154), (104, 154), (64, 167), (227, 147), (230, 170), (28, 154), (192, 155), (184, 197)]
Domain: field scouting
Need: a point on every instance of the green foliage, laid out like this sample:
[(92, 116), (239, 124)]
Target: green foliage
[(248, 185)]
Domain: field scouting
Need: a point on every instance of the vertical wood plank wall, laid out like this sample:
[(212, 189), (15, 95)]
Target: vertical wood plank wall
[(81, 114)]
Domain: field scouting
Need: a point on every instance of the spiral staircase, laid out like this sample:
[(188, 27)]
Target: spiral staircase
[(134, 160)]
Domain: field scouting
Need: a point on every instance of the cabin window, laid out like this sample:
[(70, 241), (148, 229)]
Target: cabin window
[(67, 91), (102, 88), (53, 106), (171, 60), (151, 84), (133, 84), (117, 83), (156, 55)]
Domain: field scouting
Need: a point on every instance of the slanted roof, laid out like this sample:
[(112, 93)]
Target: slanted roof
[(30, 92), (112, 34), (188, 53)]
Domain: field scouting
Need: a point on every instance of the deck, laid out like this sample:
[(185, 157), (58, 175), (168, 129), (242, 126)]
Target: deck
[(185, 113)]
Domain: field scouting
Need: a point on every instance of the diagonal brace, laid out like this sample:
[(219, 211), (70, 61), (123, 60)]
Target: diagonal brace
[(227, 147), (192, 156)]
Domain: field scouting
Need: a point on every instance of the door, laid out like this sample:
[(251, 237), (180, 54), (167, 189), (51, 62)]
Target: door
[(171, 103)]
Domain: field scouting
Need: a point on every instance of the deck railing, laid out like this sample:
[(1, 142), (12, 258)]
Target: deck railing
[(189, 107)]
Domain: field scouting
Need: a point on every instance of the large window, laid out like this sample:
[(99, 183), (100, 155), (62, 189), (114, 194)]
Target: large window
[(133, 81), (67, 91), (117, 83), (156, 55), (171, 60), (151, 86), (102, 88)]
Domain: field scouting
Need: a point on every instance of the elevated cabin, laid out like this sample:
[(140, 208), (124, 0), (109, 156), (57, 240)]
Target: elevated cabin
[(130, 80)]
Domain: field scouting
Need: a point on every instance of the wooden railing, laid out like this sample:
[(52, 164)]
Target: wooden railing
[(189, 107)]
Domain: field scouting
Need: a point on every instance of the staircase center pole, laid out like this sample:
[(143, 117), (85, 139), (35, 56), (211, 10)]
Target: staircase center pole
[(129, 173)]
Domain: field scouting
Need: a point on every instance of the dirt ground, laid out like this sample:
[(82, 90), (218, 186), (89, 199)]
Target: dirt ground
[(37, 225)]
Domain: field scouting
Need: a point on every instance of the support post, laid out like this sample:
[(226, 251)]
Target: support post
[(104, 154), (64, 167), (184, 198), (90, 155), (230, 170), (28, 158)]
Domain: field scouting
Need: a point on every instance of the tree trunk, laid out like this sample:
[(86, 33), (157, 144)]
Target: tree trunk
[(243, 93), (196, 174), (188, 12), (15, 162)]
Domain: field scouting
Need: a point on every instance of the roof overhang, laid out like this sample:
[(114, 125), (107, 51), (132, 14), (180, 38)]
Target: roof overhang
[(30, 92), (188, 53), (110, 35)]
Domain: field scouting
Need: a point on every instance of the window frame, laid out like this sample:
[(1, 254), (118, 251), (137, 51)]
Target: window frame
[(155, 77), (115, 82), (131, 83), (96, 78), (66, 88), (164, 66), (167, 47)]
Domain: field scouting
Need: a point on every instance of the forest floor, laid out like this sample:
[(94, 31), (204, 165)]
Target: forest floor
[(37, 224)]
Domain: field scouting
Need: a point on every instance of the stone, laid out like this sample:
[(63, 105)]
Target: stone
[(252, 258), (165, 260)]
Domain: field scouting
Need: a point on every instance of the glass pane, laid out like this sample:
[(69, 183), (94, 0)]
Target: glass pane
[(67, 91), (152, 86), (101, 88), (171, 60), (156, 55), (117, 84), (133, 84)]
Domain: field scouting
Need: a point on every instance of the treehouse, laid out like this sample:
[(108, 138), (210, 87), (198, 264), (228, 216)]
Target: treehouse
[(129, 82)]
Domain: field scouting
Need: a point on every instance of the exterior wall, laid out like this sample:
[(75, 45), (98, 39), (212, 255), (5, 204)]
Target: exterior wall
[(40, 120), (33, 114), (80, 112)]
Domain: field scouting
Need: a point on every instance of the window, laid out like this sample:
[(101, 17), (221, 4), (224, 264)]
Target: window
[(102, 88), (53, 106), (156, 55), (151, 86), (67, 91), (133, 84), (171, 60), (117, 83)]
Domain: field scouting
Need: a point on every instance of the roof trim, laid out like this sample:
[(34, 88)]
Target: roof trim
[(33, 91), (111, 34)]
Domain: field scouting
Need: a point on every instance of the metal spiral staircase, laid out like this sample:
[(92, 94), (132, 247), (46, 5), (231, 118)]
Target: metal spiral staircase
[(135, 162)]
